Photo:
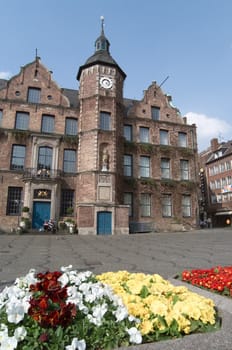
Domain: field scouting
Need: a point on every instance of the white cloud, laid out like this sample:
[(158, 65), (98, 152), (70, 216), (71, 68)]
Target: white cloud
[(209, 128), (5, 75)]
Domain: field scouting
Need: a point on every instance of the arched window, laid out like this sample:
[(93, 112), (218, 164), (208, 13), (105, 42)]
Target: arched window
[(45, 158)]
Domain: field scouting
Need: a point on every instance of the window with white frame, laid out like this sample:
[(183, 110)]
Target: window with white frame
[(229, 180), (166, 205), (223, 181), (48, 123), (164, 137), (218, 183), (105, 121), (33, 95), (128, 165), (222, 167), (186, 205), (165, 168), (213, 198), (128, 132), (144, 166), (128, 200), (212, 185), (71, 126), (228, 165), (69, 165), (18, 157), (144, 134), (182, 139), (145, 204), (184, 169), (155, 113), (22, 120)]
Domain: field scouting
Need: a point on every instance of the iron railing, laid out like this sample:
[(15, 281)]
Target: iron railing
[(42, 174)]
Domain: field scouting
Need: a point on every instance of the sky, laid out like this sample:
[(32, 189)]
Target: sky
[(185, 45)]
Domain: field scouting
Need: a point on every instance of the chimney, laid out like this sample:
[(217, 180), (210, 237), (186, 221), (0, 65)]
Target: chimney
[(214, 144)]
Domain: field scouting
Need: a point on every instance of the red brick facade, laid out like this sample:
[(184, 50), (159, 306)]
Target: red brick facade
[(62, 148)]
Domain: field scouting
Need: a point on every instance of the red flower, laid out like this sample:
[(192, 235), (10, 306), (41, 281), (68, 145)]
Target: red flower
[(218, 278), (48, 302)]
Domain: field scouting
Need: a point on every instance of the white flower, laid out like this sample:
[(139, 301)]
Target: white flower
[(3, 332), (121, 313), (26, 281), (9, 343), (20, 333), (15, 312), (98, 313), (66, 268), (76, 345), (64, 279), (135, 335)]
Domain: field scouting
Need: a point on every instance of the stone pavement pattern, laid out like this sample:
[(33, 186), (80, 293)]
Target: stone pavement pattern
[(164, 253)]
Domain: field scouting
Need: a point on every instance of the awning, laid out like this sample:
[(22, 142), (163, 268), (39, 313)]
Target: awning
[(223, 213)]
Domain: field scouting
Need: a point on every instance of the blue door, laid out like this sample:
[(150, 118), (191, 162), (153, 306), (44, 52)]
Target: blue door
[(41, 212), (104, 223)]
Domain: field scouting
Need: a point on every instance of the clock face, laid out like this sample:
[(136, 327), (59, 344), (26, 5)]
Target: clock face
[(106, 82)]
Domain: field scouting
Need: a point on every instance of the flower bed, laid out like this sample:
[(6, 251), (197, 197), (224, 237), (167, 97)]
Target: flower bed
[(217, 279), (73, 310)]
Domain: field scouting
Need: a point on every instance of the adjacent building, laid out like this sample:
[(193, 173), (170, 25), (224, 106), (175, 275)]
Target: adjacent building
[(216, 189), (112, 164)]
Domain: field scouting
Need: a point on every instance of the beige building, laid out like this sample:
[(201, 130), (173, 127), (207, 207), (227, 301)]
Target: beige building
[(109, 163)]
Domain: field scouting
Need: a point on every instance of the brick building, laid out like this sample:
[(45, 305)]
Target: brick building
[(216, 172), (109, 162)]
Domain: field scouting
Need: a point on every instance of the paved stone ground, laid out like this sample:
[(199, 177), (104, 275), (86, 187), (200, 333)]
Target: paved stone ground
[(164, 253)]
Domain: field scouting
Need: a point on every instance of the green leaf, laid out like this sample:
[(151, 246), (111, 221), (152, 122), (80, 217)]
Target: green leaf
[(144, 292)]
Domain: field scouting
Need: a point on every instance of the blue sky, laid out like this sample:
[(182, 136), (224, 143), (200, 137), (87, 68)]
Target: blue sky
[(189, 41)]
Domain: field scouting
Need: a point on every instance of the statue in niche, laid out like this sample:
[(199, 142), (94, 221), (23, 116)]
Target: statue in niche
[(105, 160)]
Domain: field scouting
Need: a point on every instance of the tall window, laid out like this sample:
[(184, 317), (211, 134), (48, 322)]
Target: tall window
[(18, 157), (48, 122), (186, 205), (33, 95), (14, 201), (155, 113), (69, 161), (144, 166), (67, 199), (165, 168), (145, 204), (22, 120), (184, 169), (143, 134), (71, 126), (1, 113), (45, 158), (182, 139), (164, 139), (105, 121), (128, 132), (128, 200), (166, 205), (128, 166)]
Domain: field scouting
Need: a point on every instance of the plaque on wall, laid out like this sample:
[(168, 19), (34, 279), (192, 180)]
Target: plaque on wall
[(104, 193)]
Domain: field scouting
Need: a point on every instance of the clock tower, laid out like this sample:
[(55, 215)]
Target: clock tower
[(100, 152)]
